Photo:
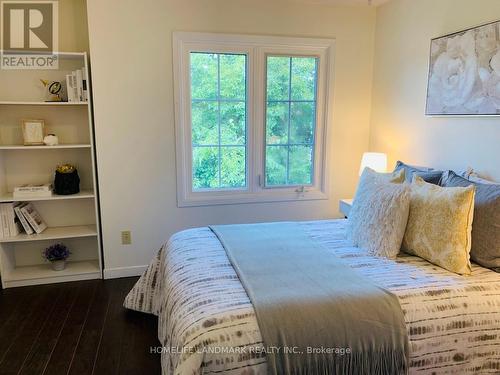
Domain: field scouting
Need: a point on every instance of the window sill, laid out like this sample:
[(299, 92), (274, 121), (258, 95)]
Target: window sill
[(215, 199)]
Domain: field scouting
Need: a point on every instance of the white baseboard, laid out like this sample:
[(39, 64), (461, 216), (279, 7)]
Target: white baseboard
[(114, 273)]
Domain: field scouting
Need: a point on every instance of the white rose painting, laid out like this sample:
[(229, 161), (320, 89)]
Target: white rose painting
[(464, 73)]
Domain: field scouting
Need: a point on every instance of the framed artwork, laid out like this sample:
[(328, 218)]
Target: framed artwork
[(33, 132), (464, 73)]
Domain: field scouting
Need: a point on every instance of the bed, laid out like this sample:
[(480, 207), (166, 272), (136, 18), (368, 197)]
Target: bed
[(206, 320)]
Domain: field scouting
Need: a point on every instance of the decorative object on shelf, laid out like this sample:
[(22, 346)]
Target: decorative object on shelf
[(54, 89), (374, 160), (464, 73), (51, 140), (66, 181), (57, 254), (33, 132)]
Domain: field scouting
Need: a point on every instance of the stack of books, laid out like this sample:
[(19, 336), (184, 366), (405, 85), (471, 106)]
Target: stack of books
[(18, 217), (32, 191), (76, 86)]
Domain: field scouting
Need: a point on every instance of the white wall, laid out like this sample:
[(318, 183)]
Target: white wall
[(398, 125), (73, 31), (131, 56)]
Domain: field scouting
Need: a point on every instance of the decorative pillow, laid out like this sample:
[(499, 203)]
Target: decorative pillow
[(486, 225), (475, 178), (379, 213), (481, 180), (471, 175), (428, 174), (400, 164), (440, 224), (397, 177), (432, 177)]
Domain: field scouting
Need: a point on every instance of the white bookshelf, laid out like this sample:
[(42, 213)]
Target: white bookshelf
[(71, 219)]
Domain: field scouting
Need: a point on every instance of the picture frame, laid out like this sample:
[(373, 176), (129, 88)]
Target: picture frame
[(33, 132), (464, 73)]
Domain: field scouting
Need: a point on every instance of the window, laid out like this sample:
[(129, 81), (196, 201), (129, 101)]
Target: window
[(218, 120), (290, 120), (251, 117)]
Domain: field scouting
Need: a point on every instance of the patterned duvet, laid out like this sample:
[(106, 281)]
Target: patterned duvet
[(207, 323)]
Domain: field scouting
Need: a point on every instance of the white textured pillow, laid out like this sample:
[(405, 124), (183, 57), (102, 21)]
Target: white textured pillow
[(397, 177), (379, 213)]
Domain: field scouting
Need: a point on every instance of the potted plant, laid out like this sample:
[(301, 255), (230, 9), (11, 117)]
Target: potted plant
[(57, 255)]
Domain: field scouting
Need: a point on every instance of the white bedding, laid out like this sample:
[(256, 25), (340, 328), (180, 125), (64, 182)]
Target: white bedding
[(207, 323)]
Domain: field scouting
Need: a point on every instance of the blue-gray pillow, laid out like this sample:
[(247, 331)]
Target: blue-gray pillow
[(432, 177), (486, 223), (428, 174)]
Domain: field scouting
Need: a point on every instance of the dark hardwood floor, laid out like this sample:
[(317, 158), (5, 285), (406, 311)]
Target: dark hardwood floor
[(75, 329)]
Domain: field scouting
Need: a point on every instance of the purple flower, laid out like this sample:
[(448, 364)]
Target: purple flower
[(56, 252)]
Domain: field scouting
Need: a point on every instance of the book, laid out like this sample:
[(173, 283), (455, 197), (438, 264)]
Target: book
[(40, 194), (84, 85), (32, 188), (4, 223), (69, 88), (79, 85), (26, 226), (11, 217), (33, 217), (73, 83), (19, 227), (32, 191), (10, 224)]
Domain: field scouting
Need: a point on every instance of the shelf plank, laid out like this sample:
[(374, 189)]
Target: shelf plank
[(57, 147), (70, 55), (83, 194), (44, 103), (43, 273), (55, 233)]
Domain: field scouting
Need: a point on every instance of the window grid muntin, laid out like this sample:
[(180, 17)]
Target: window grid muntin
[(289, 145), (219, 146)]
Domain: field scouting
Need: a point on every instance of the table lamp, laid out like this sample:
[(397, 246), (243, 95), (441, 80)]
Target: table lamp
[(374, 160)]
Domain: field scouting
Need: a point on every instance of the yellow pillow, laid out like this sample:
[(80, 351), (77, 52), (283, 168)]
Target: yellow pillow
[(440, 225)]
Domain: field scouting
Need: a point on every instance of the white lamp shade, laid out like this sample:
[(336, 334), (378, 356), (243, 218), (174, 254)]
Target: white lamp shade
[(374, 160)]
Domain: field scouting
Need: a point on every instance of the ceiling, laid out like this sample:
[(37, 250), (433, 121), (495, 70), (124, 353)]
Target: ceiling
[(345, 2)]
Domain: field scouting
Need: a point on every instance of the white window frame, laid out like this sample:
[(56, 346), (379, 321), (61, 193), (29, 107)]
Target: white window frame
[(256, 48)]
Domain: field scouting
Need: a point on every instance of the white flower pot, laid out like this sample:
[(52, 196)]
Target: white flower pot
[(58, 265)]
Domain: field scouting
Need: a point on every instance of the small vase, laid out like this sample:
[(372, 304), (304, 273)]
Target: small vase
[(51, 140), (58, 265)]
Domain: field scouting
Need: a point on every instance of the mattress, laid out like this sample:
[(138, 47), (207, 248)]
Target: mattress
[(207, 325)]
